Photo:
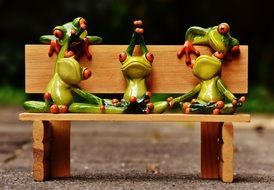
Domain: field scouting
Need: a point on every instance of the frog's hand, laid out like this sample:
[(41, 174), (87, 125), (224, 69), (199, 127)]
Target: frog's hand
[(87, 96), (186, 97), (46, 39), (94, 39), (52, 40), (187, 49), (37, 106), (90, 40), (197, 35)]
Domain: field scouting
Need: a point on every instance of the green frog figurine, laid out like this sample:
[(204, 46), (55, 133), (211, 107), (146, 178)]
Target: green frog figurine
[(136, 70), (210, 94), (70, 41)]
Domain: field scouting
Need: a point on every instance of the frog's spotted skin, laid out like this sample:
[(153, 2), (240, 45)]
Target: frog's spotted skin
[(209, 95), (70, 41), (136, 70)]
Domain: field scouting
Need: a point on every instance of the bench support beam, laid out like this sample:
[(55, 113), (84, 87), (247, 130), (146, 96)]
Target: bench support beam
[(51, 149), (217, 151)]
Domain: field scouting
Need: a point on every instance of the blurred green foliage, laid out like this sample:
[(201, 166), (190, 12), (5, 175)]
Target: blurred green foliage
[(165, 22)]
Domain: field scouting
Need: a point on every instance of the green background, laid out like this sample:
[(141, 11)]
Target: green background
[(165, 22)]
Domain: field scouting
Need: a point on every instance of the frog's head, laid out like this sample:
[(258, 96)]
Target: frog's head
[(221, 41), (70, 71), (74, 31), (134, 66), (207, 67)]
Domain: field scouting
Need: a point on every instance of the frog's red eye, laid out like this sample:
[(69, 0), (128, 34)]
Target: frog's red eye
[(150, 57), (83, 23), (223, 28), (58, 33), (122, 56)]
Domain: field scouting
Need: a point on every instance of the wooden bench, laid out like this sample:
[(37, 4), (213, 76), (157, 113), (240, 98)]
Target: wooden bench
[(51, 132)]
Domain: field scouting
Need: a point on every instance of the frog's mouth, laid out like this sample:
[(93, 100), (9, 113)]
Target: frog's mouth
[(136, 69)]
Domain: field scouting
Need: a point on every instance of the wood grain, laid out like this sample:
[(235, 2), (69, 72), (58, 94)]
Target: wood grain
[(168, 117), (226, 153), (169, 74), (41, 150), (60, 149), (209, 150)]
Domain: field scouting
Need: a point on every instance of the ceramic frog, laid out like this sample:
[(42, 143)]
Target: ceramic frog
[(136, 70), (70, 41), (210, 94)]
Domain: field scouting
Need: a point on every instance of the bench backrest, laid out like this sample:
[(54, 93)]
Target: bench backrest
[(169, 74)]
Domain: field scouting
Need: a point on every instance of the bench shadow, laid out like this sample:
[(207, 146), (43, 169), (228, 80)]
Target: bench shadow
[(251, 178), (134, 176), (171, 177)]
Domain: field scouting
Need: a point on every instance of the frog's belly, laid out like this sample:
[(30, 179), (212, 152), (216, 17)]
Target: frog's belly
[(210, 93)]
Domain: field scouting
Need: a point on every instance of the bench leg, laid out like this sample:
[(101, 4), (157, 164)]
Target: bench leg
[(209, 150), (51, 149), (226, 153), (217, 151)]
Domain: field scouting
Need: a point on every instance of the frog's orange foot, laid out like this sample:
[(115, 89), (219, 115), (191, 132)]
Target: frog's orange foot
[(54, 109), (187, 49), (54, 47), (63, 109), (216, 111)]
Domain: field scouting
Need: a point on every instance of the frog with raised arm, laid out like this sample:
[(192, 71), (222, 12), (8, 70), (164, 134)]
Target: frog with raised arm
[(210, 94), (136, 70), (70, 41)]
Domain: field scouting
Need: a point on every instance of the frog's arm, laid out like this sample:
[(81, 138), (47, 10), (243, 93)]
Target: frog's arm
[(94, 39), (222, 87), (46, 39), (187, 96), (197, 35)]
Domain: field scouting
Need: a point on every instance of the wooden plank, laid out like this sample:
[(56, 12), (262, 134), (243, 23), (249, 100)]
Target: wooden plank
[(60, 149), (169, 74), (226, 153), (41, 150), (209, 150), (168, 117)]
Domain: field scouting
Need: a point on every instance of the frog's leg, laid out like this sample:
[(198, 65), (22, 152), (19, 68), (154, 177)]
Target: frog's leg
[(196, 106), (186, 97), (91, 108), (39, 106), (92, 99)]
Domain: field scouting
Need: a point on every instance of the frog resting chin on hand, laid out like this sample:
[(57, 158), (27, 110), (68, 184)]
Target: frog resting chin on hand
[(210, 94)]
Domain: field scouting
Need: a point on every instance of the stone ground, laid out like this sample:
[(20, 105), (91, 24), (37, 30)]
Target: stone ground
[(125, 155)]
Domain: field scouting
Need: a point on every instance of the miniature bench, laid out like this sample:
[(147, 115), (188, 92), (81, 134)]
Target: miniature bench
[(51, 132)]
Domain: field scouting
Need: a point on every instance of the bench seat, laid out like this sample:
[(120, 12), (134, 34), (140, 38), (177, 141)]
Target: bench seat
[(167, 117)]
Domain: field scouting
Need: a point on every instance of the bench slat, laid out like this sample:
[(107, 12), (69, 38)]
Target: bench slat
[(169, 117), (169, 74)]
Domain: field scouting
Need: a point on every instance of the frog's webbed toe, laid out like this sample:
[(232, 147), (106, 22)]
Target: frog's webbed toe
[(187, 49)]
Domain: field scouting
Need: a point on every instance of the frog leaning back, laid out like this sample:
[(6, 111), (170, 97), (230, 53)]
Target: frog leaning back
[(70, 41), (210, 94)]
